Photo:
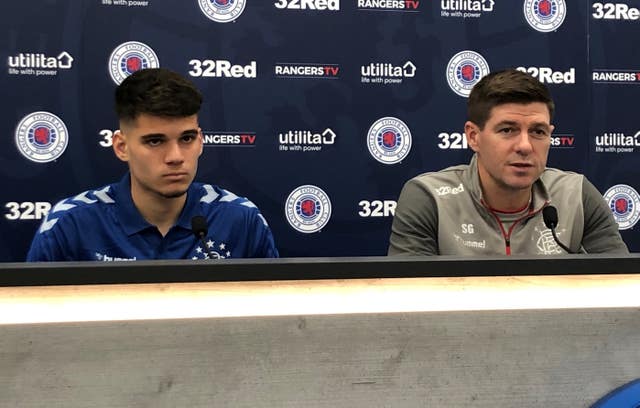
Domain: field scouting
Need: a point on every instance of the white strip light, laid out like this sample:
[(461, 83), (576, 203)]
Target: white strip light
[(19, 305)]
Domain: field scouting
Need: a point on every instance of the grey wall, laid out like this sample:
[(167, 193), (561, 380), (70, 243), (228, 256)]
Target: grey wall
[(549, 358)]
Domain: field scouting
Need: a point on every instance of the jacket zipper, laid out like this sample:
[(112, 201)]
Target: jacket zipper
[(507, 235)]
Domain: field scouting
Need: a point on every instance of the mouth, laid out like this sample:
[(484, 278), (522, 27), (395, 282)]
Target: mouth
[(175, 176), (521, 165)]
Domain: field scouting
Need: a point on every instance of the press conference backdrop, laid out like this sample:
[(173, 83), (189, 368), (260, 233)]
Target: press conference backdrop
[(316, 110)]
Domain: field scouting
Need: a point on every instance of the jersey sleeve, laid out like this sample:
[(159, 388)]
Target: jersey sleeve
[(601, 233), (414, 230), (47, 246), (263, 245)]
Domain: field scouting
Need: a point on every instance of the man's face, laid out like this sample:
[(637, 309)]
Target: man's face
[(162, 153), (512, 148)]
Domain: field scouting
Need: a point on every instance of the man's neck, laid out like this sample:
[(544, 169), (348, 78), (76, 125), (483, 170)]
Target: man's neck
[(506, 201), (160, 211)]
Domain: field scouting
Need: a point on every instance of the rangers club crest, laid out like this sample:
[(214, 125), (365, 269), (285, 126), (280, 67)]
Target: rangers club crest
[(389, 140), (464, 70), (308, 209), (222, 11), (130, 57), (41, 137), (624, 202), (545, 15)]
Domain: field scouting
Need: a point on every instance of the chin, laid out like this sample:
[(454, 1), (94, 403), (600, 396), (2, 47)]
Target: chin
[(173, 194)]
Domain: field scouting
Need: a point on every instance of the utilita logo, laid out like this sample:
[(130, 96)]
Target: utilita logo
[(389, 5), (302, 70), (384, 73), (465, 8), (616, 142), (305, 140), (38, 64)]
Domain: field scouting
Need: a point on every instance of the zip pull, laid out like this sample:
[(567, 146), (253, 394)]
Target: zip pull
[(507, 243)]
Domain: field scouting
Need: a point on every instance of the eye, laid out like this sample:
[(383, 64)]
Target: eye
[(154, 141), (506, 130), (539, 133), (188, 138)]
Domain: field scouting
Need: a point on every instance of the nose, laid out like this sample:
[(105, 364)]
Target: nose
[(174, 154), (523, 143)]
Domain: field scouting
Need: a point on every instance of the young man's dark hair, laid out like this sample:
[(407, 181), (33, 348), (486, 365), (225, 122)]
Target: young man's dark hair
[(157, 92), (507, 86)]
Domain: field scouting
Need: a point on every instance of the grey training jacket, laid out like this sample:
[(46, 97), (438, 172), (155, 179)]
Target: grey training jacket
[(442, 213)]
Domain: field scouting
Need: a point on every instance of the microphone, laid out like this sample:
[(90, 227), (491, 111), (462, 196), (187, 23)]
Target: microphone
[(199, 229), (550, 217)]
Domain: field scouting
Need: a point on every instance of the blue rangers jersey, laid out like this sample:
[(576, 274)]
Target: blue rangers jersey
[(105, 225)]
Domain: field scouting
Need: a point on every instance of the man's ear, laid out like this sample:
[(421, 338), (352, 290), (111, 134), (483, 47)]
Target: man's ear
[(471, 130), (120, 147)]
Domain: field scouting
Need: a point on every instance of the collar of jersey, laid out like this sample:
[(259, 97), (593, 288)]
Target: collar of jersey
[(131, 219)]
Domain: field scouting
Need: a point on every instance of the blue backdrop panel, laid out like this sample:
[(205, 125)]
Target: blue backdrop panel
[(292, 92)]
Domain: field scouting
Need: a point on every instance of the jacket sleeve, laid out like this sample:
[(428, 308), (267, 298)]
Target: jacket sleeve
[(601, 233), (414, 230)]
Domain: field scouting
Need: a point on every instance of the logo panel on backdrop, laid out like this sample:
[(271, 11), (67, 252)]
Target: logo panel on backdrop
[(545, 15), (41, 137), (222, 11), (624, 202), (389, 140), (130, 57), (464, 70), (308, 209)]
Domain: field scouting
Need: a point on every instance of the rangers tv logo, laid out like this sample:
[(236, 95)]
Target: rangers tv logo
[(41, 137), (624, 202), (222, 11), (308, 209), (389, 140), (464, 70), (545, 15), (130, 57)]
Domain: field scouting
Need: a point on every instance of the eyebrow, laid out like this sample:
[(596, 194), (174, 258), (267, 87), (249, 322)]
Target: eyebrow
[(162, 135), (514, 123)]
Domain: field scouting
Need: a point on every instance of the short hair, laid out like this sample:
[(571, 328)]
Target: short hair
[(157, 92), (507, 86)]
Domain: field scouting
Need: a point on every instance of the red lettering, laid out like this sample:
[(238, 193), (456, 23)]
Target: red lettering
[(247, 139), (331, 71), (412, 4), (566, 141)]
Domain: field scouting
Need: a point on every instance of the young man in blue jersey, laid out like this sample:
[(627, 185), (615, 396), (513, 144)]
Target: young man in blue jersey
[(148, 214)]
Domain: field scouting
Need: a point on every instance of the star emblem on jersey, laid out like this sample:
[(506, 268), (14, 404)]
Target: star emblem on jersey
[(212, 251)]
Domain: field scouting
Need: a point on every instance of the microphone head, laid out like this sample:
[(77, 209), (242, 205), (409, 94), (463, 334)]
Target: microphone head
[(199, 226), (550, 216)]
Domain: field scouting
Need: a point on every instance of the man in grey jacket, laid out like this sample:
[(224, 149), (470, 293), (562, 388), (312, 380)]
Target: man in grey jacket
[(494, 204)]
